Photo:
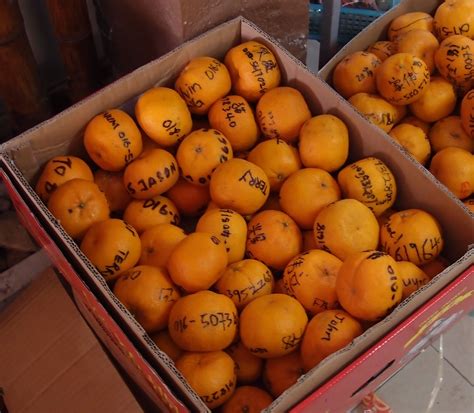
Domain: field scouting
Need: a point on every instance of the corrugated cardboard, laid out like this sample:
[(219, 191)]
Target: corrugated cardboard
[(51, 361), (376, 31), (25, 155)]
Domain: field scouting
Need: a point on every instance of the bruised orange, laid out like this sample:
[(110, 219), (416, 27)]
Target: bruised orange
[(113, 246), (113, 140), (273, 238), (203, 321), (327, 332), (58, 170), (148, 293), (77, 204)]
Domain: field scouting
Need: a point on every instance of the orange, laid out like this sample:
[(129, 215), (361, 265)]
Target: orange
[(414, 140), (112, 140), (197, 261), (191, 200), (402, 78), (247, 366), (230, 227), (376, 110), (247, 399), (210, 374), (281, 112), (233, 116), (454, 17), (153, 173), (203, 321), (449, 132), (203, 81), (148, 293), (277, 159), (281, 373), (77, 204), (371, 182), (327, 332), (253, 69), (311, 278), (272, 325), (164, 342), (309, 242), (356, 74), (306, 192), (245, 280), (438, 101), (158, 242), (412, 235), (163, 115), (369, 285), (454, 61), (112, 246), (420, 43), (200, 154), (58, 170), (413, 120), (144, 214), (434, 267), (409, 21), (454, 167), (382, 49), (345, 227), (467, 113), (413, 277), (324, 143), (239, 185), (111, 184), (273, 238), (469, 204)]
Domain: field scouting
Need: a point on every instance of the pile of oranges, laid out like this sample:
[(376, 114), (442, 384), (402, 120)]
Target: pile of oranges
[(243, 242), (418, 86)]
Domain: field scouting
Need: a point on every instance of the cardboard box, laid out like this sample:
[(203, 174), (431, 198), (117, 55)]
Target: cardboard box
[(24, 156), (51, 360), (377, 30)]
